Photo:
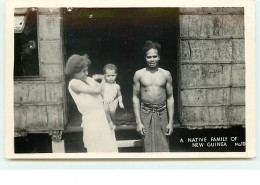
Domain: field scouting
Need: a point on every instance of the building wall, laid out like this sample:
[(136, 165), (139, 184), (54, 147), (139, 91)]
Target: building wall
[(212, 65), (39, 102)]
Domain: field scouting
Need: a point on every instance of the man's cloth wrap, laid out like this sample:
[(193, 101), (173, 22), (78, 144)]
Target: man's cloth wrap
[(155, 119)]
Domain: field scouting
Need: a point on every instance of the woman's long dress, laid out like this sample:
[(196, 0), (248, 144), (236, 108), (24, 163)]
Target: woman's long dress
[(97, 135)]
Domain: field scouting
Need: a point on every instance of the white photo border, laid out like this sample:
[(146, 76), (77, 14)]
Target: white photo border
[(250, 51)]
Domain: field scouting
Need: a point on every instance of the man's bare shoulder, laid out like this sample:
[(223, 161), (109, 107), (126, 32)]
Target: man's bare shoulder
[(165, 72), (139, 72)]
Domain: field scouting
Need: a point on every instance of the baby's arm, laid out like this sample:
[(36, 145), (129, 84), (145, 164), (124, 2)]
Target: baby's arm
[(81, 87), (120, 99)]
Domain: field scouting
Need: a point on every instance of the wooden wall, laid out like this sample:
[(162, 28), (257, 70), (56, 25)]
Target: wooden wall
[(39, 103), (212, 65)]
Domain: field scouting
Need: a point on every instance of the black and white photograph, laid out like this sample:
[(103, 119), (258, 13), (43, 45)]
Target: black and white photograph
[(130, 81)]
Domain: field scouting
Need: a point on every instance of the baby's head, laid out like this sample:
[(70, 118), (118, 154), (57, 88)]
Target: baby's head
[(110, 73)]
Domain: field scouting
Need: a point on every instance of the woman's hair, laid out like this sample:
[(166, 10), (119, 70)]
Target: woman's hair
[(151, 45), (76, 63), (111, 67)]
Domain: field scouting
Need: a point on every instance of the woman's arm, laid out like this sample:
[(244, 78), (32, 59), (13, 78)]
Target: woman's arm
[(81, 87), (93, 81), (98, 77)]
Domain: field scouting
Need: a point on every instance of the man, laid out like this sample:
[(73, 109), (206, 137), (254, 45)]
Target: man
[(153, 101)]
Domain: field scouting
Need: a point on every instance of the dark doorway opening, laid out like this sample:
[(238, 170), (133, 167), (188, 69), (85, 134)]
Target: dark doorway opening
[(117, 35)]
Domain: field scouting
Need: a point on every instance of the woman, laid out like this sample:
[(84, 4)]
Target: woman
[(86, 92)]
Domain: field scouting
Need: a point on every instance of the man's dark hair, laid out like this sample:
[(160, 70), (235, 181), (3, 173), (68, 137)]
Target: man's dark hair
[(151, 45)]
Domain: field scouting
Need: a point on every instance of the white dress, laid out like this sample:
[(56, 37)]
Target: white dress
[(97, 135)]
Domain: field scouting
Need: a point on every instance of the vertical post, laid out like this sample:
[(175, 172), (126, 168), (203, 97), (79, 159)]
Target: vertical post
[(57, 142), (58, 147), (51, 67)]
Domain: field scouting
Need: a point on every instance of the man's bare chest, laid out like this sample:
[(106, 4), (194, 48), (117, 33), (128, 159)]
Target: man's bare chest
[(156, 79)]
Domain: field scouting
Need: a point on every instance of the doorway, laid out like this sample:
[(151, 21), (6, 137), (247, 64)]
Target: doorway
[(117, 35)]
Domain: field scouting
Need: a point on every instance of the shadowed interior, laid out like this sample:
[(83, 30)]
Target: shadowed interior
[(117, 36)]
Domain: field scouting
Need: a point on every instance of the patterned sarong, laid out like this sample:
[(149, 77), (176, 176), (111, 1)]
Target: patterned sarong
[(155, 119)]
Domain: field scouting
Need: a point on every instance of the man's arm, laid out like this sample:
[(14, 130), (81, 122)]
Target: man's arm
[(170, 103), (136, 103)]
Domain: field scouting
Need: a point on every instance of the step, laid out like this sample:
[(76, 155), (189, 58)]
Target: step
[(129, 143), (120, 127), (79, 129)]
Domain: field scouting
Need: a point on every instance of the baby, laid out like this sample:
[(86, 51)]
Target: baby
[(111, 92)]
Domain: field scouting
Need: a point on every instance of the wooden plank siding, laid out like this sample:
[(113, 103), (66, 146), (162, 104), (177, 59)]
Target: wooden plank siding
[(213, 97), (39, 105), (212, 67)]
